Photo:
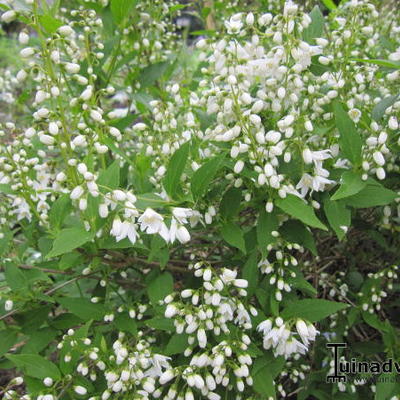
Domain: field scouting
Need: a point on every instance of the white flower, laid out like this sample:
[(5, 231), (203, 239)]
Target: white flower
[(171, 311), (9, 16), (378, 158), (182, 214), (103, 210), (47, 139), (96, 116), (202, 338), (65, 30), (76, 193), (151, 222), (166, 376), (315, 183), (355, 114), (80, 390), (9, 304), (241, 283), (234, 25), (87, 94), (72, 68), (53, 128), (302, 328), (121, 230), (265, 326), (48, 381)]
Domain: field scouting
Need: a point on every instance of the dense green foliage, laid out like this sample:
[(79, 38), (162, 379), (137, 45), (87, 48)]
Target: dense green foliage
[(197, 198)]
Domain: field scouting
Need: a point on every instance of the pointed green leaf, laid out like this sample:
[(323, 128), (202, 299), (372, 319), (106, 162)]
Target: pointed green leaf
[(35, 366), (350, 140), (379, 110), (233, 235), (202, 178), (160, 287), (338, 215), (109, 178), (374, 194), (266, 223), (230, 203), (351, 184), (316, 28), (83, 308), (296, 232), (297, 208), (175, 169), (120, 9), (312, 310), (329, 4), (59, 210), (8, 338), (176, 345), (69, 239), (250, 273)]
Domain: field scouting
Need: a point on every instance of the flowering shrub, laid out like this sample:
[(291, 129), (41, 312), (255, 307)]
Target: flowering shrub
[(199, 221)]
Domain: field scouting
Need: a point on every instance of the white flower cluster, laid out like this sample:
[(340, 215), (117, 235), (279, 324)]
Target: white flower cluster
[(277, 336), (210, 308), (279, 268)]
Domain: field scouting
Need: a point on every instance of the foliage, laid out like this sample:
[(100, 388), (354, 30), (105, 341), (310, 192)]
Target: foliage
[(197, 214)]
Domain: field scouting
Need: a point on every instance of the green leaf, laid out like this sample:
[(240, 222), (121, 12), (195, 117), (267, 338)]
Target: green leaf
[(266, 223), (65, 321), (5, 241), (250, 273), (164, 324), (351, 184), (386, 386), (379, 110), (120, 9), (15, 277), (312, 310), (275, 364), (316, 28), (233, 235), (149, 200), (202, 178), (70, 260), (297, 208), (112, 146), (382, 63), (59, 210), (263, 382), (294, 231), (123, 123), (176, 345), (5, 188), (8, 338), (125, 323), (49, 23), (300, 283), (35, 366), (350, 141), (338, 215), (374, 321), (152, 73), (230, 203), (175, 169), (39, 340), (374, 194), (160, 287), (83, 308), (329, 4), (109, 178), (69, 239)]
